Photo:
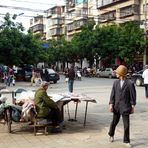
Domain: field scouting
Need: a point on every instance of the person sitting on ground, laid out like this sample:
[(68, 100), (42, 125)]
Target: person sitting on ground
[(46, 107)]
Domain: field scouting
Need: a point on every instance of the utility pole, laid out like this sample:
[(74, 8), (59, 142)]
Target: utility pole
[(145, 57)]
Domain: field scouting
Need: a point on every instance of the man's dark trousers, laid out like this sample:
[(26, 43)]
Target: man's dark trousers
[(116, 118)]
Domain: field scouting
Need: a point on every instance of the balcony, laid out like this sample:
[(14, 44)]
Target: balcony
[(49, 13), (103, 4), (56, 32), (58, 21), (70, 27), (78, 24), (129, 11), (110, 16), (70, 4), (37, 28)]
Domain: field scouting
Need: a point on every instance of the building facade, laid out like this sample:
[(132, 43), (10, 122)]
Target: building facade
[(55, 22), (38, 25), (118, 11), (67, 20)]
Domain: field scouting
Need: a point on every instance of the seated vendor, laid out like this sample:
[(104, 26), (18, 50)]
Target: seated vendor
[(45, 106)]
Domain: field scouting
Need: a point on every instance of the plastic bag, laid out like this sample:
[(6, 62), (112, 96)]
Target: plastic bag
[(66, 79), (15, 114)]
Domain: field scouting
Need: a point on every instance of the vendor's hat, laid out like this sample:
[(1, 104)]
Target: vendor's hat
[(45, 83), (121, 70)]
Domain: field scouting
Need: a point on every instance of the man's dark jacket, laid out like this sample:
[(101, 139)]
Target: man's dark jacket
[(71, 74), (123, 98)]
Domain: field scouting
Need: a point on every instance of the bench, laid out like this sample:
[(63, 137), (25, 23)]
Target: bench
[(41, 123)]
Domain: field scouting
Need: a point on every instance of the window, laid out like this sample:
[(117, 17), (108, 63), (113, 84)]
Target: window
[(70, 27), (56, 31), (38, 18), (109, 16), (126, 11), (78, 24), (31, 21)]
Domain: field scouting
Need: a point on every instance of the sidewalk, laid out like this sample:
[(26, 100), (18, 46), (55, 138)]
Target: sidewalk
[(94, 135)]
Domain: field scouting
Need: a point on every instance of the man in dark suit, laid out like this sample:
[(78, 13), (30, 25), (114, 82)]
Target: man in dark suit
[(122, 102)]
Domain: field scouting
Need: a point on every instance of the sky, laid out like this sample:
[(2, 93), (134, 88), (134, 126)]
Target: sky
[(23, 15)]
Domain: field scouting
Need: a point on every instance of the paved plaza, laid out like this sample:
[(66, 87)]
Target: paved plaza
[(94, 135)]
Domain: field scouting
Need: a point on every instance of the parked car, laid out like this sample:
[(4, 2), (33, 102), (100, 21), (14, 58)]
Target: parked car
[(23, 74), (137, 78), (52, 76), (106, 72)]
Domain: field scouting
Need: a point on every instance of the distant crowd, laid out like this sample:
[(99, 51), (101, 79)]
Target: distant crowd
[(7, 75)]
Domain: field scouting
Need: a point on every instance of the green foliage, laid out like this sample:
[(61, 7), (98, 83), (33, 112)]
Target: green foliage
[(131, 41), (15, 46), (108, 42), (83, 42)]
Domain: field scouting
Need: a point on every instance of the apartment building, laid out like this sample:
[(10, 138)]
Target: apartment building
[(55, 22), (121, 11), (67, 20), (118, 11), (78, 12), (37, 25)]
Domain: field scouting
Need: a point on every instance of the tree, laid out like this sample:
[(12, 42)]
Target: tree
[(131, 41), (83, 42), (15, 46), (106, 41), (123, 41)]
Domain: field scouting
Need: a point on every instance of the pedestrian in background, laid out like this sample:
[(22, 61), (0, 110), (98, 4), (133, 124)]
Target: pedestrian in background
[(66, 75), (122, 102), (71, 77), (33, 77), (145, 77), (10, 76)]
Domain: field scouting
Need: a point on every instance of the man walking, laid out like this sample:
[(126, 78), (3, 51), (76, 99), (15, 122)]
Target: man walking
[(71, 77), (122, 102)]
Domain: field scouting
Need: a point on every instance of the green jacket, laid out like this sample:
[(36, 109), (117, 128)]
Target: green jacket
[(43, 103)]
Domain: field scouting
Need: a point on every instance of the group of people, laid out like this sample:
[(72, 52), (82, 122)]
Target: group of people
[(122, 102), (8, 76)]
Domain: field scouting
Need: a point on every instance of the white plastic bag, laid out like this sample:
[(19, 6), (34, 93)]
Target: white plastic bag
[(66, 79)]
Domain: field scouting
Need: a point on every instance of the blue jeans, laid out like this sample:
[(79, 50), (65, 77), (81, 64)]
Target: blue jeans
[(9, 80), (70, 85)]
